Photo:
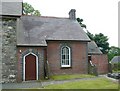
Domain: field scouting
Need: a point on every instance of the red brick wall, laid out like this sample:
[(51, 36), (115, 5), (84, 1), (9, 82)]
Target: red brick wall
[(78, 56), (101, 61), (20, 53)]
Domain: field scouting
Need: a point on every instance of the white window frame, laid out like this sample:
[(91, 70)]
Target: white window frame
[(69, 59), (36, 65)]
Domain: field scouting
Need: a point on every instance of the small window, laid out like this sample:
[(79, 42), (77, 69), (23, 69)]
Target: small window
[(65, 57)]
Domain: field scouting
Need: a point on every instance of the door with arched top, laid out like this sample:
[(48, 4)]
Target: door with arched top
[(30, 67)]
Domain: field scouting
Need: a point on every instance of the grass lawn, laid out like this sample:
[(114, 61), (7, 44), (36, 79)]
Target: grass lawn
[(118, 71), (67, 77), (100, 83)]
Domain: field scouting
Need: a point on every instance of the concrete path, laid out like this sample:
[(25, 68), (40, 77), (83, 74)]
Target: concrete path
[(114, 80), (26, 85), (36, 84)]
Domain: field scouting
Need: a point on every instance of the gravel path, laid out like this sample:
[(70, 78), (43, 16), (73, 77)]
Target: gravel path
[(36, 84)]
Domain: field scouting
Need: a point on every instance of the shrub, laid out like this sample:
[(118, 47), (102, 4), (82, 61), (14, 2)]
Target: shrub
[(116, 66)]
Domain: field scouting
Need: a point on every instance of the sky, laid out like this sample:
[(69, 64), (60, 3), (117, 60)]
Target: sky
[(100, 16)]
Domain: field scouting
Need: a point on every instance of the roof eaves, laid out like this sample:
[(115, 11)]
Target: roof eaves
[(31, 44), (94, 53), (67, 40)]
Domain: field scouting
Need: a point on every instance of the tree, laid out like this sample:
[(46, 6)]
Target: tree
[(90, 35), (80, 22), (29, 10), (102, 41), (114, 51)]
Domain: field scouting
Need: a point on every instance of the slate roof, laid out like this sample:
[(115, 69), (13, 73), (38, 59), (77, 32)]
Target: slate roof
[(115, 59), (34, 30), (93, 48), (10, 8)]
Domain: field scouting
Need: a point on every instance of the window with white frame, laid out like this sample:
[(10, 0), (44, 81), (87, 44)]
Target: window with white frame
[(65, 56)]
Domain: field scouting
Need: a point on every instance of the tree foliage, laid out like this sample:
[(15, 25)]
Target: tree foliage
[(80, 21), (29, 10), (102, 42), (114, 51), (100, 39), (90, 35)]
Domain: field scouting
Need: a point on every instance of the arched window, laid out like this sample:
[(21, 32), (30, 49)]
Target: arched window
[(65, 56)]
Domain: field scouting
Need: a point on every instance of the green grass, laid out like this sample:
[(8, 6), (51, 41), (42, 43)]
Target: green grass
[(67, 77), (100, 83), (116, 71)]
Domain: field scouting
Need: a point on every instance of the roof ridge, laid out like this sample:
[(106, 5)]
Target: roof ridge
[(47, 16)]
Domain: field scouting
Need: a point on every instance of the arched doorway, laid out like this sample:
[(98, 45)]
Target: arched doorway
[(30, 69)]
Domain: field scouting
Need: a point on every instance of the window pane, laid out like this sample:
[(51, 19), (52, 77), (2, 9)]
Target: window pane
[(63, 56), (62, 62), (68, 62), (68, 56), (67, 51), (63, 51)]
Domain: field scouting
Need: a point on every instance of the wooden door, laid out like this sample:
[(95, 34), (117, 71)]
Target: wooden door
[(30, 67)]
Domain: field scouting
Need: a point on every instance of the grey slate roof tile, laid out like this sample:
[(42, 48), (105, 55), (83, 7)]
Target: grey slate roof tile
[(115, 59), (34, 30), (93, 48), (11, 8)]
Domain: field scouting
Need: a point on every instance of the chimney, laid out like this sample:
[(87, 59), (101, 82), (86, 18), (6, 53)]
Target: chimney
[(72, 14)]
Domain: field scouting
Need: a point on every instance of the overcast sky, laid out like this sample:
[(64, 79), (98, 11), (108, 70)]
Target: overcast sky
[(100, 16)]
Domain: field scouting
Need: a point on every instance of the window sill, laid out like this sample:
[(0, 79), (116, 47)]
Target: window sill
[(65, 67)]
